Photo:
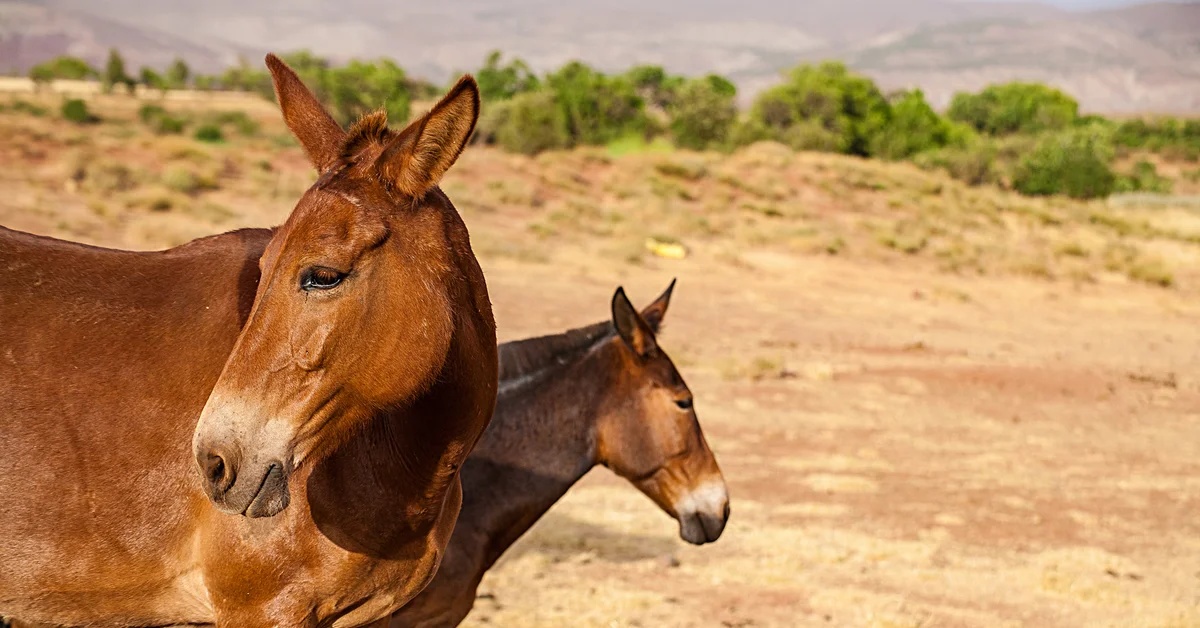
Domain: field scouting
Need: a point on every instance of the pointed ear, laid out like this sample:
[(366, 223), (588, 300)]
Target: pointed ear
[(415, 161), (317, 131), (631, 327), (654, 313)]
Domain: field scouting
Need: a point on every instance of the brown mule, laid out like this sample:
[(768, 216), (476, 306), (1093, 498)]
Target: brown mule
[(604, 394), (347, 387)]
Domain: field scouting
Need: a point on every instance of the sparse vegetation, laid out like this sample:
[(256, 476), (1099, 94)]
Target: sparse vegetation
[(210, 133), (76, 111)]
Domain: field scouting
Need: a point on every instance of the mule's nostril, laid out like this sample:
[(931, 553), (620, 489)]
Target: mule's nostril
[(218, 473)]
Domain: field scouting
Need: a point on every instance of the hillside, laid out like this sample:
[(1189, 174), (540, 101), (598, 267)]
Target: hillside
[(1134, 58)]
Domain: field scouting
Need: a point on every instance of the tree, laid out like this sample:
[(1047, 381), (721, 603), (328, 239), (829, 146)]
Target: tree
[(153, 80), (64, 67), (702, 113), (844, 110), (178, 74), (654, 84), (1015, 108), (114, 72), (501, 82)]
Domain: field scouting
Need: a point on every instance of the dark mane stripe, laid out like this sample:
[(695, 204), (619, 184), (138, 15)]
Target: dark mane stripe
[(519, 358)]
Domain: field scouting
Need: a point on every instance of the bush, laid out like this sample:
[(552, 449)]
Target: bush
[(1075, 162), (210, 133), (1015, 108), (76, 111), (913, 127), (702, 113), (114, 73), (501, 82), (529, 123), (1144, 178), (64, 67), (159, 121), (848, 106), (973, 163), (596, 108)]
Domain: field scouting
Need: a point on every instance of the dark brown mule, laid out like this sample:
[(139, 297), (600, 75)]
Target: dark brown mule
[(605, 394), (352, 381)]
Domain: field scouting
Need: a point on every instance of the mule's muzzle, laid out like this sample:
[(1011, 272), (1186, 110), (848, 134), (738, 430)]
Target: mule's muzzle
[(703, 514), (237, 488)]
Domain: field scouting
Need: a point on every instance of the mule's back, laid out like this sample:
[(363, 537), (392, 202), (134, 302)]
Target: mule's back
[(106, 359)]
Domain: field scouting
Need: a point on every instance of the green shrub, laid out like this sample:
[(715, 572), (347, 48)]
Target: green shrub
[(501, 82), (64, 67), (913, 127), (974, 163), (529, 123), (76, 111), (1143, 178), (847, 105), (159, 121), (1075, 162), (210, 133), (748, 130), (1015, 108), (596, 108), (702, 113)]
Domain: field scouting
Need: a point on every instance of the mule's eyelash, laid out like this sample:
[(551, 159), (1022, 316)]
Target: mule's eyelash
[(321, 278)]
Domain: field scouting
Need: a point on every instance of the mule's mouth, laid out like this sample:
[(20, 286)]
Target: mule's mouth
[(699, 528), (272, 495), (703, 513), (265, 496)]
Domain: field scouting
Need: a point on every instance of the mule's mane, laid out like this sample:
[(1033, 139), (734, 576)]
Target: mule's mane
[(371, 128), (522, 358)]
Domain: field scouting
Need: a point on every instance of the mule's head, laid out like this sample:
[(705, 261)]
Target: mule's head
[(355, 307), (649, 433)]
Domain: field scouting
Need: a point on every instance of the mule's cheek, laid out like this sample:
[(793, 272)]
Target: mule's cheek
[(311, 346)]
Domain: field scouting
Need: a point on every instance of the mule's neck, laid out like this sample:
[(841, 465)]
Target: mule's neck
[(541, 441)]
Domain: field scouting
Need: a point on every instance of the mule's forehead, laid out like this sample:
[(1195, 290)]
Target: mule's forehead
[(327, 222)]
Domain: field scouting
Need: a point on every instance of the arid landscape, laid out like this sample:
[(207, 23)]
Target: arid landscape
[(934, 404)]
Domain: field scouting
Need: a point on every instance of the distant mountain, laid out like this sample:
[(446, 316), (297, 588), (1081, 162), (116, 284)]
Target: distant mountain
[(1125, 59), (30, 34)]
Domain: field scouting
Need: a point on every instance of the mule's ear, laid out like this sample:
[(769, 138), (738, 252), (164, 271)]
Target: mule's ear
[(317, 131), (654, 313), (415, 161), (631, 327)]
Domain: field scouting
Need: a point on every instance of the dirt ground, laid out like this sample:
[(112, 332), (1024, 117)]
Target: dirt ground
[(903, 446)]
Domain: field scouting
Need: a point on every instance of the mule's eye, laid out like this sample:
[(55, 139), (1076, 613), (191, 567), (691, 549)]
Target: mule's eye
[(684, 404), (321, 278)]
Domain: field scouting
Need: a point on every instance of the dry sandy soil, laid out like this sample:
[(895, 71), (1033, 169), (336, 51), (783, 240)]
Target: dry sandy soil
[(907, 443)]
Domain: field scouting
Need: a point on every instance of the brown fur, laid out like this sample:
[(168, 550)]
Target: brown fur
[(567, 403), (370, 398)]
